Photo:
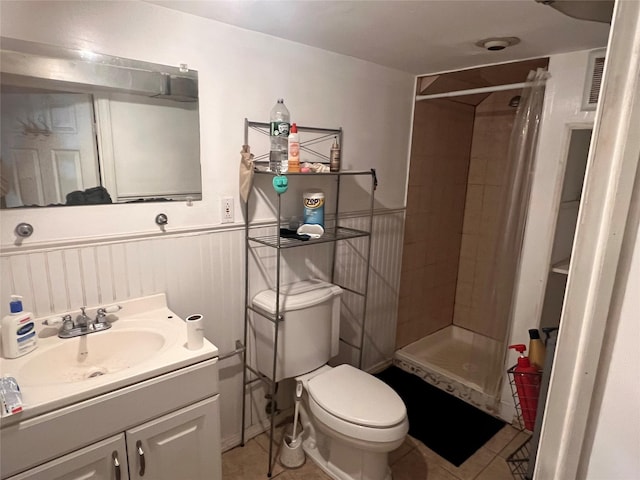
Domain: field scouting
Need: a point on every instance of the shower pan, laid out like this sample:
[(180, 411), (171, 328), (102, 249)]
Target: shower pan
[(454, 359)]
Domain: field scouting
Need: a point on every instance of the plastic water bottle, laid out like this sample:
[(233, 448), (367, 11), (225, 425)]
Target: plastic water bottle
[(279, 133)]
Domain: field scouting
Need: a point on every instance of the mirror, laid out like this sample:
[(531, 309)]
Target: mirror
[(80, 128)]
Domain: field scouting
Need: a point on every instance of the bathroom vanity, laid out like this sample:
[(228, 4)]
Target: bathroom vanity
[(151, 416)]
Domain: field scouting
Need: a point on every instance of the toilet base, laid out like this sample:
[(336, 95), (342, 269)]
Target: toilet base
[(343, 459), (342, 462)]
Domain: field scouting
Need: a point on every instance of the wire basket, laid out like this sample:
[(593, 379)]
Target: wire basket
[(518, 461), (525, 400), (525, 396)]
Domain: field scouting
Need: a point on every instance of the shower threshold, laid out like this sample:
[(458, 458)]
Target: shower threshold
[(454, 360)]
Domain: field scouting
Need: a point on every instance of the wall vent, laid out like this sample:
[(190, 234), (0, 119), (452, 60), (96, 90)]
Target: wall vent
[(593, 81)]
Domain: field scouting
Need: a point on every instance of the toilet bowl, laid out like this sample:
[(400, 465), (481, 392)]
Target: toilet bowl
[(351, 421)]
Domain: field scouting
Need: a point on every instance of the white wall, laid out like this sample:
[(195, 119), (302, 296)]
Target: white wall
[(103, 254), (241, 74)]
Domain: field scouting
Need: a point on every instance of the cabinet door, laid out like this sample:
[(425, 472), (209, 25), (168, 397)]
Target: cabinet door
[(182, 445), (105, 460)]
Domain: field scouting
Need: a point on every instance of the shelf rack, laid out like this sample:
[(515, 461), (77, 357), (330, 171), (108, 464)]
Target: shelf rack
[(310, 139)]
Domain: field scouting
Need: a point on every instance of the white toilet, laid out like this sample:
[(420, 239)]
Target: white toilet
[(351, 420)]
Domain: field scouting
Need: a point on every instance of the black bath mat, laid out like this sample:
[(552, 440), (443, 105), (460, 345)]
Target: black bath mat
[(450, 427)]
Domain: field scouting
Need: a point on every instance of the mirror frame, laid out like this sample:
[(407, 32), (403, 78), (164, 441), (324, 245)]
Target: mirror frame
[(32, 62)]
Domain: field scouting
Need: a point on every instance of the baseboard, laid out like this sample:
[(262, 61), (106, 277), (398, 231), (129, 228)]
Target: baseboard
[(378, 367)]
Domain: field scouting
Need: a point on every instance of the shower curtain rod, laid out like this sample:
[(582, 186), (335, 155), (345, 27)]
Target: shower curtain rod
[(472, 91)]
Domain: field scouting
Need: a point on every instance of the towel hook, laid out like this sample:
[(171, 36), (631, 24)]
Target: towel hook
[(162, 219)]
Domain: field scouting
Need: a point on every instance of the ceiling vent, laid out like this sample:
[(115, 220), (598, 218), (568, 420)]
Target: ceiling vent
[(593, 81)]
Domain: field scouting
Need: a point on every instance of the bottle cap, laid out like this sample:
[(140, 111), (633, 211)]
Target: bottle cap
[(294, 128), (16, 304), (534, 334)]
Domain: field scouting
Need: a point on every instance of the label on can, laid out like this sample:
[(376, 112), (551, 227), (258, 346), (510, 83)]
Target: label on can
[(313, 208)]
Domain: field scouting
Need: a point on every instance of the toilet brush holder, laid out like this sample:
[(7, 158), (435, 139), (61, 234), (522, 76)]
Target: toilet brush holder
[(292, 454)]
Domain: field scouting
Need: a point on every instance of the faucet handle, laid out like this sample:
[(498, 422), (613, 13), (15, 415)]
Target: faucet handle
[(53, 321), (103, 311), (64, 320)]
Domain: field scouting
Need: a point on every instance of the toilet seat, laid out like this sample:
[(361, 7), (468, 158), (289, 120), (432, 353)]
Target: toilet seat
[(358, 405)]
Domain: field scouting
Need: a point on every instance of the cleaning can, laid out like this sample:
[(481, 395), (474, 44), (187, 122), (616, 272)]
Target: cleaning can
[(313, 213), (537, 350)]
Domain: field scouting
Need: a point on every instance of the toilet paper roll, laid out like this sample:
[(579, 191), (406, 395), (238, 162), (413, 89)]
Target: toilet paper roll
[(195, 332)]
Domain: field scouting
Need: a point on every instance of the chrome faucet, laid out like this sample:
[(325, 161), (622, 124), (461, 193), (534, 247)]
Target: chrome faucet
[(83, 324), (83, 320)]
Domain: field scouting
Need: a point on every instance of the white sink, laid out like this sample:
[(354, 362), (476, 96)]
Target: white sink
[(146, 340), (90, 356)]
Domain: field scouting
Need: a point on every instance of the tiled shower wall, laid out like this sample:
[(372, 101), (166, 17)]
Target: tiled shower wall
[(489, 155), (203, 273), (435, 207), (458, 160)]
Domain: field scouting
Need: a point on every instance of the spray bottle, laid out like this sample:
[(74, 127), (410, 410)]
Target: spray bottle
[(527, 380)]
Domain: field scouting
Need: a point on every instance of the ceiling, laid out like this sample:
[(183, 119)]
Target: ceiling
[(419, 37)]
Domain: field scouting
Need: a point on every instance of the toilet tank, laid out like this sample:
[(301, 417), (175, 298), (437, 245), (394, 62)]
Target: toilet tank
[(308, 335)]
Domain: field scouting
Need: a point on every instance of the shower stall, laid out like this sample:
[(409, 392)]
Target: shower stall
[(473, 140)]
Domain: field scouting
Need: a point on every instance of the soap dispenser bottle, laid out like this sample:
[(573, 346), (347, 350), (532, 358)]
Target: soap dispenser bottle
[(527, 380), (18, 331)]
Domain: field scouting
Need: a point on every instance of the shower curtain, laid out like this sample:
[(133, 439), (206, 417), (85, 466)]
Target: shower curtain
[(499, 286)]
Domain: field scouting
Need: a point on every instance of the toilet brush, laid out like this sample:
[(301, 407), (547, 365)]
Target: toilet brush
[(292, 454), (296, 411)]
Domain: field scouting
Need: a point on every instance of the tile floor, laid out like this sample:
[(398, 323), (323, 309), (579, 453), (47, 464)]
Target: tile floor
[(412, 461)]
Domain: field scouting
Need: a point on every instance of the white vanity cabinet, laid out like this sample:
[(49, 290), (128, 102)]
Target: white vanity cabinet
[(170, 424), (180, 445)]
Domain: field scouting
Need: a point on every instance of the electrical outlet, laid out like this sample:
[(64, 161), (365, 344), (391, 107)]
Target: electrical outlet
[(226, 214)]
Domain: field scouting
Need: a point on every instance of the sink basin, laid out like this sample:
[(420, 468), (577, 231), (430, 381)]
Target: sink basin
[(90, 356), (146, 340)]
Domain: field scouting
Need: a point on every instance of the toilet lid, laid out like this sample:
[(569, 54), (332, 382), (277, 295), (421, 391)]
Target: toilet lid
[(357, 397)]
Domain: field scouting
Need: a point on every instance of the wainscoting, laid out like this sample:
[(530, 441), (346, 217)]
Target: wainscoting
[(203, 272)]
